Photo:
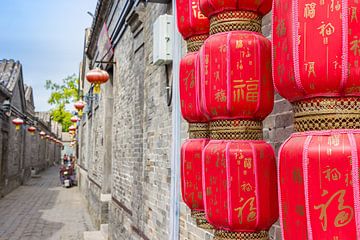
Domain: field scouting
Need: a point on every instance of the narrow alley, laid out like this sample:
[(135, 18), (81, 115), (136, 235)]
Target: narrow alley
[(43, 209)]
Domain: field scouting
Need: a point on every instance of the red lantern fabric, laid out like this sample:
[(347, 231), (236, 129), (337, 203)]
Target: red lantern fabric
[(190, 20), (319, 185), (72, 128), (97, 76), (190, 89), (239, 180), (74, 119), (79, 105), (191, 173), (316, 49), (236, 81), (31, 129), (213, 7)]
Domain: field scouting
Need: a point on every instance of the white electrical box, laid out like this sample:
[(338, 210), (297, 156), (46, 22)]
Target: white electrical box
[(163, 29)]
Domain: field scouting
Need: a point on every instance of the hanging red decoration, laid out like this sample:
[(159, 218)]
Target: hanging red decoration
[(191, 179), (42, 134), (31, 130), (79, 106), (190, 89), (236, 81), (97, 76), (192, 24), (239, 180), (316, 49), (319, 185), (72, 129), (18, 122), (74, 119)]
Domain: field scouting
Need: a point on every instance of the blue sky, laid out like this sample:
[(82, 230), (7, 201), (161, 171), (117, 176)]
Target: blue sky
[(47, 37)]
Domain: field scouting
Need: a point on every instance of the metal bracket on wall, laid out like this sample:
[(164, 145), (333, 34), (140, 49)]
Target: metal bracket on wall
[(105, 62)]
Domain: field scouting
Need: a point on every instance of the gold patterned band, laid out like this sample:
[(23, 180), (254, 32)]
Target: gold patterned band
[(327, 113), (199, 130), (194, 43), (225, 235), (200, 219), (236, 130), (235, 20)]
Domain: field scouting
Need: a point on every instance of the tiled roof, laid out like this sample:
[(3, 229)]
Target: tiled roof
[(9, 73)]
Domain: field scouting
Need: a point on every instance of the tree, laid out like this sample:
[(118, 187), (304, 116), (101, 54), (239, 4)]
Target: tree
[(61, 96)]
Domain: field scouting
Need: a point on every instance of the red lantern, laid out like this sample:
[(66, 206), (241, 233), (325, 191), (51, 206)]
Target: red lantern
[(31, 130), (42, 134), (17, 122), (313, 56), (236, 81), (319, 185), (231, 15), (79, 106), (97, 76), (239, 180), (191, 179), (74, 119), (190, 89), (72, 129), (192, 24)]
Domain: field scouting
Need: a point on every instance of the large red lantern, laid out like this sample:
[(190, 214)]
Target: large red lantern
[(319, 185), (79, 106), (31, 130), (97, 76), (192, 24), (239, 186), (231, 15), (18, 122), (236, 80), (316, 49)]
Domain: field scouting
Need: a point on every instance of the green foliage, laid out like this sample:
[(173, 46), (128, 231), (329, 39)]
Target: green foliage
[(62, 95)]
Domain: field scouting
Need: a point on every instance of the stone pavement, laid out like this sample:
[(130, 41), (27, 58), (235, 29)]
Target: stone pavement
[(43, 209)]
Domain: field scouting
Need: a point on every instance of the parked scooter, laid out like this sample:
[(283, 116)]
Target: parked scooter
[(67, 176)]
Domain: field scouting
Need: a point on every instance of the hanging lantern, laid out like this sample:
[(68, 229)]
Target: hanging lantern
[(47, 137), (74, 119), (72, 128), (192, 24), (235, 15), (18, 122), (42, 134), (79, 106), (241, 87), (31, 130), (97, 76), (191, 179), (239, 180), (315, 57), (319, 185)]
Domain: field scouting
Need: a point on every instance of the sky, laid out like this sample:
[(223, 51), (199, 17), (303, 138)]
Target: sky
[(47, 37)]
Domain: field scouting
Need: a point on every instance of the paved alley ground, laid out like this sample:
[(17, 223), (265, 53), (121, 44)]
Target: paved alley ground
[(43, 209)]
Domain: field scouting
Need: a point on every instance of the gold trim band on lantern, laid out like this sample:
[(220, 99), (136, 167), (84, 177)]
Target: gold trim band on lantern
[(200, 218), (226, 235), (235, 20), (199, 130), (236, 130), (194, 43), (326, 114)]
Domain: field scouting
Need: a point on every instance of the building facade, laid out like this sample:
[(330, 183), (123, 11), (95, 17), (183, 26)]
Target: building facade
[(22, 153), (126, 134)]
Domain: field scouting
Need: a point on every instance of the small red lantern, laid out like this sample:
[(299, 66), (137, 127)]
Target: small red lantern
[(239, 181), (319, 185), (74, 119), (190, 89), (42, 134), (79, 106), (97, 76), (47, 137), (31, 130), (236, 80), (18, 122), (192, 24), (191, 179), (72, 128)]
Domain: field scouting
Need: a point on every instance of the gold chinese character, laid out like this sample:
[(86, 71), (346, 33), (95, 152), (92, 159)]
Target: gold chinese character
[(248, 163), (220, 96), (252, 210), (246, 187), (332, 174), (343, 217), (334, 6), (354, 14), (196, 11), (310, 10), (310, 68), (355, 47)]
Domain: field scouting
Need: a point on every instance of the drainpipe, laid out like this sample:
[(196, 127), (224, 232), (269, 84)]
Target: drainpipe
[(176, 138)]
